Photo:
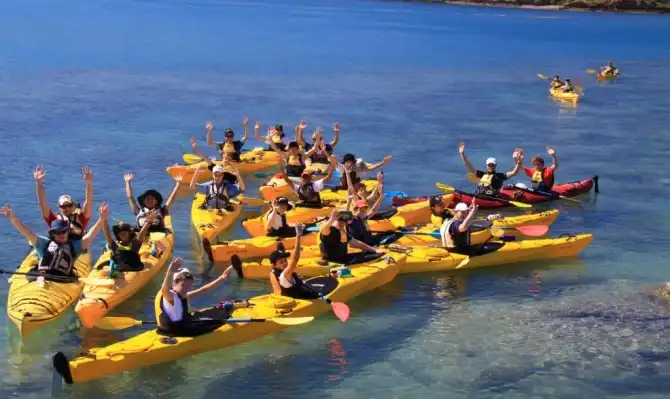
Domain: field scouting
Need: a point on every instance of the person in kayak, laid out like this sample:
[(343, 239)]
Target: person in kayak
[(439, 213), (217, 190), (490, 181), (230, 172), (455, 233), (608, 69), (275, 135), (230, 147), (77, 217), (307, 190), (124, 246), (285, 281), (356, 169), (319, 156), (175, 318), (541, 177), (294, 158), (148, 201), (358, 228), (568, 87), (334, 241), (57, 253), (556, 83), (275, 221)]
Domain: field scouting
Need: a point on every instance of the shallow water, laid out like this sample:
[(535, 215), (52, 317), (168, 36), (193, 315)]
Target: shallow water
[(122, 86)]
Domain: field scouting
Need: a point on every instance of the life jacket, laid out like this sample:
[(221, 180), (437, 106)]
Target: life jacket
[(76, 231), (127, 256), (296, 290), (57, 259), (232, 149), (437, 220), (360, 230), (216, 199), (461, 239), (306, 193), (556, 84), (174, 314), (158, 225), (319, 156), (284, 224), (276, 138), (354, 179), (295, 165), (334, 247), (486, 185)]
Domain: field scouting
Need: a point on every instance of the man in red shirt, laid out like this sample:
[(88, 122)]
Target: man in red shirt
[(77, 218), (542, 179)]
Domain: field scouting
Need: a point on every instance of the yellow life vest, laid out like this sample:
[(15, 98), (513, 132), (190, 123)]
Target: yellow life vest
[(537, 177), (295, 160), (436, 220), (486, 180), (228, 148), (276, 138)]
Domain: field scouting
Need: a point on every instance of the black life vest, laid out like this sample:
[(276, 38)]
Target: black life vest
[(358, 229), (158, 224), (331, 246), (127, 257), (165, 320), (306, 193), (297, 290), (233, 150), (354, 179), (76, 231), (284, 225), (57, 259), (216, 199)]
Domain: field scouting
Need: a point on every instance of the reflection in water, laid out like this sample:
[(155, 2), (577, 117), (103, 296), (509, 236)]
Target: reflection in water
[(338, 359), (450, 286)]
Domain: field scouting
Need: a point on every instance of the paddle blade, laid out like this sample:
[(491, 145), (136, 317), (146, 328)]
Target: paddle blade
[(117, 323), (463, 263), (445, 188), (520, 204), (291, 321), (539, 75), (341, 311), (533, 231), (591, 71), (191, 159), (98, 282), (253, 201), (563, 197), (392, 194), (472, 177)]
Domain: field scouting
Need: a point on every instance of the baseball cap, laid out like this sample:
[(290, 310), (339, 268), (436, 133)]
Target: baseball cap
[(59, 225), (65, 200), (229, 132), (490, 161), (276, 255), (182, 274), (461, 207), (436, 200), (282, 200), (218, 169), (306, 174)]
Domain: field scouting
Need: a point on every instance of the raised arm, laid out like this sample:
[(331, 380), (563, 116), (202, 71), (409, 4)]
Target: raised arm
[(378, 203), (284, 175), (300, 133), (273, 213), (517, 168), (554, 159), (240, 181), (329, 174), (325, 228), (39, 175), (194, 179), (245, 125), (22, 228), (90, 235), (212, 284), (467, 222), (87, 175), (144, 231), (257, 131), (336, 135), (106, 231), (197, 151), (295, 256), (466, 162), (384, 161), (178, 180), (210, 142), (167, 281), (128, 177)]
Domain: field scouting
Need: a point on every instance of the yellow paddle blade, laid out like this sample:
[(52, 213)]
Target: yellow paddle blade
[(497, 231), (117, 323), (579, 89), (520, 204), (191, 159), (445, 188), (539, 75), (253, 201), (291, 321), (591, 71), (99, 282), (473, 178), (563, 197), (463, 263)]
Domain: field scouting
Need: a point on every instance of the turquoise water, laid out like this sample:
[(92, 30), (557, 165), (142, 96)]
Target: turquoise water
[(121, 86)]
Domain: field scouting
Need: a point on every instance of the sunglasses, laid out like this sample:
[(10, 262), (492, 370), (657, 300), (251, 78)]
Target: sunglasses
[(59, 232), (491, 165), (65, 206), (230, 136)]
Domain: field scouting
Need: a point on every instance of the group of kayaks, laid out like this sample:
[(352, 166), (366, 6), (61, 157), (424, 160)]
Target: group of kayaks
[(575, 95), (415, 246)]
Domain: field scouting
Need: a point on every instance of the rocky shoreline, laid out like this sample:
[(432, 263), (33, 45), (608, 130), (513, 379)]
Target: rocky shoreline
[(629, 6)]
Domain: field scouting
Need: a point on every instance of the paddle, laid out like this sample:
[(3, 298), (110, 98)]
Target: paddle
[(449, 189), (475, 179), (100, 282), (190, 159), (254, 201), (530, 231), (591, 71), (578, 89), (122, 323), (340, 309)]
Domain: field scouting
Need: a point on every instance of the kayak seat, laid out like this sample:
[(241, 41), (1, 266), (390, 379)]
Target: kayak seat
[(323, 285), (478, 249)]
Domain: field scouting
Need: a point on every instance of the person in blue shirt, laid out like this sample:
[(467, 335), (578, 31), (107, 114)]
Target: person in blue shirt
[(57, 254), (219, 191)]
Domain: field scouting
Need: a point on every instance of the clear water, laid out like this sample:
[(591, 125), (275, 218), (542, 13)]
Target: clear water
[(122, 85)]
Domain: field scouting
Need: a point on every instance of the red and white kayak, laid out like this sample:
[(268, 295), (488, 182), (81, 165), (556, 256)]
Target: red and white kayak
[(512, 193)]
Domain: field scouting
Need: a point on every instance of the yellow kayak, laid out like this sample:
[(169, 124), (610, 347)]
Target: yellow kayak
[(545, 218), (31, 306), (561, 95), (151, 348), (420, 211), (209, 223), (253, 161), (96, 301)]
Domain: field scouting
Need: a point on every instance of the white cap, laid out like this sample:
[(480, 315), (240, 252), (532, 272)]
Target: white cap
[(218, 168), (180, 273), (490, 161), (461, 206), (64, 200)]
